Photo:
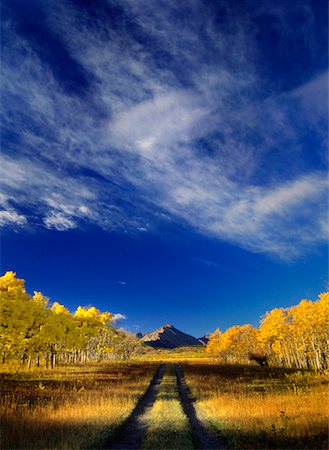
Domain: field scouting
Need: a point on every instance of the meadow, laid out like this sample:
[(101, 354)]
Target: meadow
[(247, 406), (254, 407), (175, 354), (57, 393), (70, 407)]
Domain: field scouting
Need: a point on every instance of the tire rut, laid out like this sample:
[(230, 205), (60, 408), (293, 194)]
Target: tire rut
[(202, 437), (130, 435)]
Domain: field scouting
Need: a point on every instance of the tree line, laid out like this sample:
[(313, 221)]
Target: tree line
[(291, 337), (37, 332)]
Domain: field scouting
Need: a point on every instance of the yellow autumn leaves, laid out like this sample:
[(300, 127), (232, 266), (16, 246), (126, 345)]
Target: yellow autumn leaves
[(35, 332), (292, 337)]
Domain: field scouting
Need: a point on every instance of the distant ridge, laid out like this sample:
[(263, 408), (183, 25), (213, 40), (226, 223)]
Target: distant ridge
[(168, 336), (204, 340)]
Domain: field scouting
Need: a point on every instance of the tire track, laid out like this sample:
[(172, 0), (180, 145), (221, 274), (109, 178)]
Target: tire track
[(203, 438), (130, 435)]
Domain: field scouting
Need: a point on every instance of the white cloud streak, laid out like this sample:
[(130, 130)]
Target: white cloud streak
[(12, 217), (8, 215), (59, 222), (117, 317), (148, 153)]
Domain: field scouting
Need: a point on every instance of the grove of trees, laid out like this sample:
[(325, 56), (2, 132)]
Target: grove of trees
[(37, 332), (290, 337), (34, 331)]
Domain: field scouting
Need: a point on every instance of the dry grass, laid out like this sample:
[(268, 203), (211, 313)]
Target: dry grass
[(168, 427), (180, 353), (72, 408), (252, 407)]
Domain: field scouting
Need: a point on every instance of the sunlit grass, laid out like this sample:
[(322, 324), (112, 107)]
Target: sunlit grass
[(180, 353), (71, 408), (79, 407), (262, 408), (168, 427)]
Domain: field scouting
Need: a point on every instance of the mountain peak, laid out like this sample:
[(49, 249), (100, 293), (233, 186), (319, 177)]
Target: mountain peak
[(168, 336)]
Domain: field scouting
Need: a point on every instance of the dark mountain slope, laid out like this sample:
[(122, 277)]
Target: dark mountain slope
[(204, 340), (169, 337)]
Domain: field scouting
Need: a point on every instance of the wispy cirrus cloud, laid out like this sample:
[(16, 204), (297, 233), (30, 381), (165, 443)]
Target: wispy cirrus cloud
[(175, 120), (8, 214), (11, 217)]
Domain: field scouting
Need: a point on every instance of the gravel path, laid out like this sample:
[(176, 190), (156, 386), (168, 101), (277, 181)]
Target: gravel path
[(203, 438), (132, 432)]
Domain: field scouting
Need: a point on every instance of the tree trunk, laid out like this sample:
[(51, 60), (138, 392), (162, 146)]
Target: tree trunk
[(53, 359)]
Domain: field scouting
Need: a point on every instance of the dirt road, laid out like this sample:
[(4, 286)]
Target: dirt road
[(131, 434), (133, 431), (203, 438)]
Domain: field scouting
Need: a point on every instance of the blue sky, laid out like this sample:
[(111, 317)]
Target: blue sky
[(163, 160)]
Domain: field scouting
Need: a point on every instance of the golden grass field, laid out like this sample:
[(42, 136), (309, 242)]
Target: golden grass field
[(253, 407), (69, 408), (249, 407)]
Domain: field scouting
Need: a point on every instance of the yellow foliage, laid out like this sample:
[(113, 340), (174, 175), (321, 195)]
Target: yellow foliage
[(212, 346), (295, 337), (235, 342), (31, 328), (9, 282), (40, 299), (57, 308), (86, 313)]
